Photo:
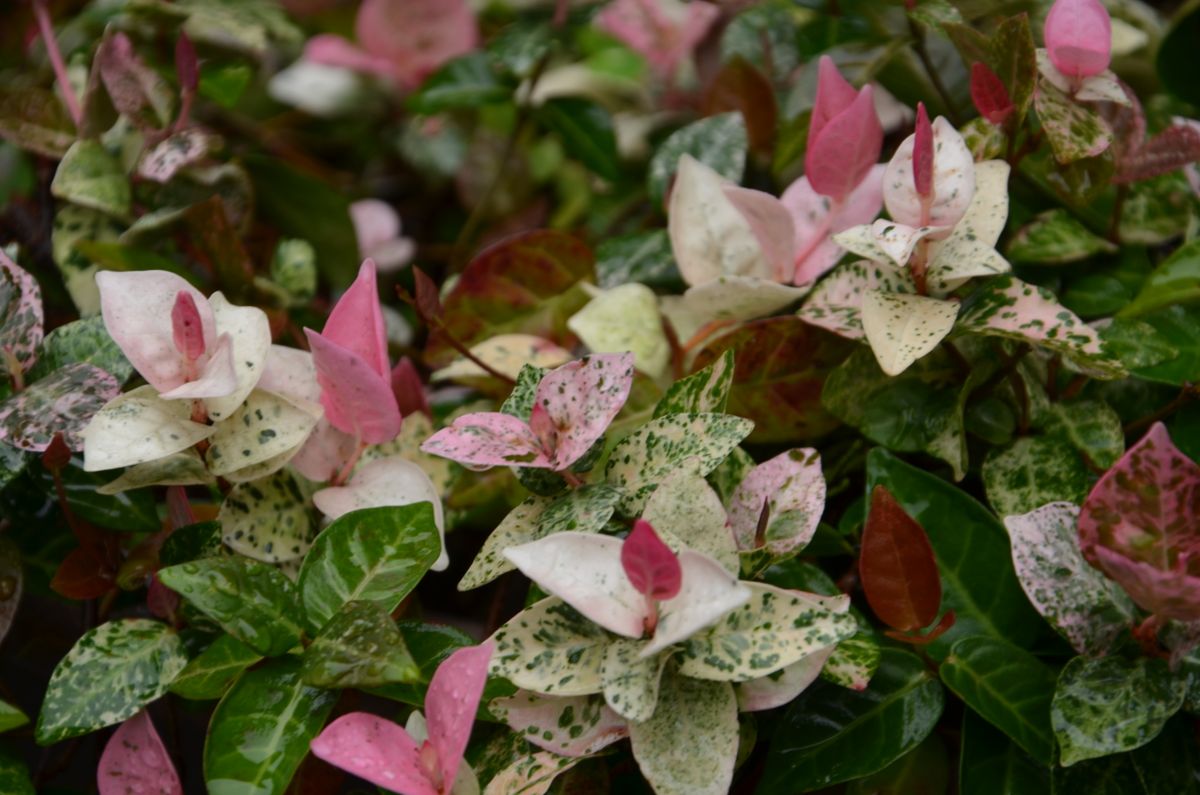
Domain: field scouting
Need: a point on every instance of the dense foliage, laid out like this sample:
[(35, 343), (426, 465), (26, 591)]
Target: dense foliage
[(758, 396)]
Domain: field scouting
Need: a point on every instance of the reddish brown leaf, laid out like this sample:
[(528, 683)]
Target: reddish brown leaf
[(896, 565), (428, 300), (742, 87), (57, 455), (409, 390), (989, 94), (186, 66), (922, 157), (1171, 149), (83, 575), (219, 246)]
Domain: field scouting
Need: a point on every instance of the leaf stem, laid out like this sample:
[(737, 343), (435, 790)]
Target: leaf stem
[(46, 29)]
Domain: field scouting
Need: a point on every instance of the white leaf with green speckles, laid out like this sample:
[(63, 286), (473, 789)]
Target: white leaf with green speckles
[(173, 153), (1055, 238), (90, 177), (264, 428), (584, 510), (567, 725), (532, 774), (550, 648), (690, 745), (727, 298), (1074, 131), (984, 139), (853, 663), (178, 469), (251, 334), (361, 646), (630, 681), (1091, 426), (507, 354), (1086, 608), (137, 427), (888, 243), (1008, 307), (74, 224), (268, 519), (703, 391), (719, 142), (696, 442), (1112, 704), (686, 512), (903, 328), (62, 402), (112, 672), (779, 688), (520, 526), (970, 250), (1031, 472), (836, 302), (1100, 87), (773, 630), (625, 318)]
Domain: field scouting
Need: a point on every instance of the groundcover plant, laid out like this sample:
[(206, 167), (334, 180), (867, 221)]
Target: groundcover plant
[(633, 396)]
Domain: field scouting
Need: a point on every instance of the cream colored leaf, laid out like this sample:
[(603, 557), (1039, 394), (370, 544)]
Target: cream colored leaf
[(903, 328), (137, 427), (624, 318)]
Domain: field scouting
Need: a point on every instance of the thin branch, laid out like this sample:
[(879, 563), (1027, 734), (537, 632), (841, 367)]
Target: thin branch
[(46, 28)]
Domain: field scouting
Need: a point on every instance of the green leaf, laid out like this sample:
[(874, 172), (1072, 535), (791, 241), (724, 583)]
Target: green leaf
[(583, 510), (705, 390), (1054, 238), (853, 662), (261, 730), (192, 541), (719, 142), (359, 647), (1091, 426), (430, 645), (1108, 705), (1175, 281), (630, 682), (1165, 765), (1163, 346), (642, 257), (215, 669), (520, 526), (830, 734), (1074, 131), (971, 547), (1008, 686), (1031, 472), (90, 177), (689, 745), (81, 341), (14, 774), (112, 672), (587, 133), (11, 716), (991, 764), (697, 442), (252, 601), (12, 583), (925, 770), (1157, 211), (372, 555), (466, 82)]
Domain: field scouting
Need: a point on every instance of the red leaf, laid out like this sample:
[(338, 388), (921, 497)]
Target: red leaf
[(989, 95), (429, 302), (923, 153), (898, 571), (186, 66), (914, 639), (1173, 148), (179, 510), (57, 454), (650, 564), (83, 575), (409, 390), (186, 328)]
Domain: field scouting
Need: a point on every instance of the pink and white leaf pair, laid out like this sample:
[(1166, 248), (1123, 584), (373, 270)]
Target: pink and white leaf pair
[(386, 755), (1078, 37), (816, 218), (950, 175), (844, 135)]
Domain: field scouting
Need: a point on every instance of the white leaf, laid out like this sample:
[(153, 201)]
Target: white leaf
[(903, 328), (139, 426), (624, 318), (707, 593), (251, 335), (836, 303)]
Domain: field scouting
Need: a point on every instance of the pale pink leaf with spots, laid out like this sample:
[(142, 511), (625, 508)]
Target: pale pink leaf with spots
[(769, 692), (135, 760), (817, 218), (216, 378), (63, 402), (357, 399), (581, 399), (953, 180), (488, 439), (664, 31), (708, 592), (793, 487), (375, 750), (1078, 36), (416, 36), (21, 319), (451, 702), (573, 726)]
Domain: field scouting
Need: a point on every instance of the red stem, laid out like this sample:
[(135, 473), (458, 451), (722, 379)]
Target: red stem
[(46, 28)]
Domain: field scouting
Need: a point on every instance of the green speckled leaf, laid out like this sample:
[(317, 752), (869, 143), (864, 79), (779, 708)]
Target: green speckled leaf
[(74, 224), (373, 554), (192, 541), (690, 744), (1157, 210), (112, 672), (138, 426), (567, 724), (252, 601), (82, 341), (1008, 686), (266, 426), (1112, 704), (268, 520), (853, 662), (359, 647), (260, 731), (520, 526), (1031, 472), (719, 142), (1055, 238), (584, 510), (549, 648), (1074, 131), (773, 630), (696, 442), (991, 764), (63, 402), (90, 177), (1091, 426), (214, 670), (835, 304), (631, 682), (706, 390), (643, 257), (902, 328), (1086, 608), (686, 511)]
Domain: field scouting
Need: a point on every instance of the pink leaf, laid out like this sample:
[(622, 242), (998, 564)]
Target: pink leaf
[(21, 318), (841, 154), (581, 399), (769, 692), (356, 322), (1173, 148), (357, 399), (1078, 36), (136, 761), (953, 180), (451, 702), (772, 225), (416, 36), (664, 32), (834, 96), (324, 453), (1138, 525), (649, 563), (186, 328), (793, 488), (217, 377), (923, 153), (187, 67), (409, 390), (989, 94), (817, 218), (488, 439), (375, 750), (62, 402), (332, 50), (137, 308)]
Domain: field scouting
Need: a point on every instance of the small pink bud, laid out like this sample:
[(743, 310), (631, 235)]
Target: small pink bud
[(1078, 36), (989, 94), (650, 564), (543, 427), (923, 154), (186, 327), (187, 67)]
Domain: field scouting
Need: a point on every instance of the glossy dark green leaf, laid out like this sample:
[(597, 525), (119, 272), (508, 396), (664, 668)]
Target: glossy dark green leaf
[(252, 601), (1162, 346), (925, 770), (359, 647), (1177, 54), (991, 764), (466, 82), (129, 511), (1175, 281), (211, 672), (587, 133), (972, 551), (191, 542), (374, 555), (261, 730), (14, 773), (830, 734), (430, 645), (12, 584), (643, 257), (1008, 686), (11, 716)]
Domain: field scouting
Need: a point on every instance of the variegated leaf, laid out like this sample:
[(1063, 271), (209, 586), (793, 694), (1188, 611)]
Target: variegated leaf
[(779, 688), (697, 442), (853, 663), (1031, 472), (1086, 608), (630, 681), (265, 427), (173, 153), (567, 725), (1073, 130), (507, 354), (703, 391), (520, 526), (247, 326), (268, 519), (415, 430), (885, 242), (686, 511), (625, 318), (185, 468), (91, 177), (550, 648), (21, 319), (1055, 237), (139, 426), (836, 302), (792, 489), (903, 328), (530, 775), (63, 402), (584, 510), (727, 298)]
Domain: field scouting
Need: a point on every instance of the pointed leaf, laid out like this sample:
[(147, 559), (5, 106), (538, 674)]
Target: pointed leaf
[(836, 302), (707, 594), (356, 321), (623, 318), (581, 398), (953, 180), (842, 151), (265, 427), (357, 399), (267, 519), (520, 526), (451, 703), (575, 726), (63, 402), (90, 177), (793, 489), (1074, 131), (359, 647), (649, 563), (896, 566), (706, 390), (250, 332), (376, 750), (550, 648), (630, 680), (903, 328), (209, 674), (138, 426), (488, 439), (135, 760), (686, 511)]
